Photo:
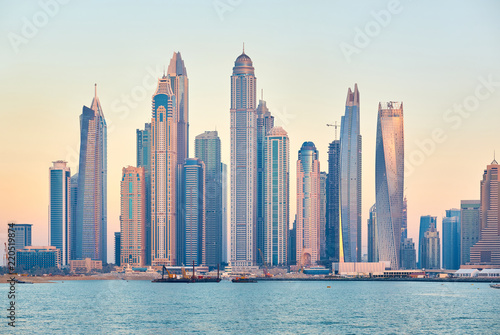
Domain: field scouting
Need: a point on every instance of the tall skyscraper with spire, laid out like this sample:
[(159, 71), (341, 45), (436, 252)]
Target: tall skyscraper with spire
[(332, 230), (91, 211), (243, 163), (163, 174), (350, 177), (265, 122), (144, 160), (308, 205), (389, 181)]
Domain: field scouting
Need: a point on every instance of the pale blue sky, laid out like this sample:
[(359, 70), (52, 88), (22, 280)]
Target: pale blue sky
[(429, 55)]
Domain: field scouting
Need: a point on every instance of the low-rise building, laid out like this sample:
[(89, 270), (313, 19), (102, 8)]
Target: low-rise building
[(41, 256), (84, 265), (489, 273), (466, 273)]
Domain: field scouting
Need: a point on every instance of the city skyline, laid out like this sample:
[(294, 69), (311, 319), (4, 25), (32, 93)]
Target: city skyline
[(327, 103)]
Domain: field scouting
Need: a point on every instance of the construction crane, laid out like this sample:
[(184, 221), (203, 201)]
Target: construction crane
[(266, 272), (334, 125)]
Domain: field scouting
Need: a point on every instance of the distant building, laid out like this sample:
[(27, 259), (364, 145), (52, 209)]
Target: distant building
[(144, 160), (133, 216), (308, 205), (332, 231), (85, 265), (426, 222), (404, 220), (60, 209), (408, 254), (389, 181), (487, 249), (276, 196), (208, 149), (73, 203), (322, 220), (431, 252), (350, 177), (470, 221), (451, 240), (23, 235), (372, 235), (292, 243), (43, 257), (225, 228), (195, 223), (117, 248)]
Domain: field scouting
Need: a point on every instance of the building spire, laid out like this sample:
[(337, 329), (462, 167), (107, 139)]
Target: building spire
[(494, 159), (261, 94), (243, 47), (95, 90)]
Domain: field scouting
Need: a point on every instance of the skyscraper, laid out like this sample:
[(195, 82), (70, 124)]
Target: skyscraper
[(276, 209), (91, 209), (308, 205), (323, 177), (404, 220), (426, 222), (487, 249), (179, 83), (431, 251), (350, 178), (243, 163), (470, 221), (372, 236), (73, 203), (60, 210), (133, 216), (225, 228), (292, 243), (23, 235), (265, 123), (408, 254), (451, 239), (208, 149), (144, 160), (117, 248), (332, 232), (389, 180), (195, 229), (163, 175)]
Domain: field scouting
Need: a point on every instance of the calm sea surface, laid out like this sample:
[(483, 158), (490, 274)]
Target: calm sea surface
[(142, 307)]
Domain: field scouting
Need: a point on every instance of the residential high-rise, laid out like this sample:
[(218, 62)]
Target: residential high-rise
[(451, 239), (372, 236), (73, 203), (163, 175), (389, 180), (23, 235), (332, 232), (243, 163), (470, 221), (323, 177), (194, 231), (225, 228), (308, 205), (408, 254), (179, 83), (292, 243), (431, 251), (133, 216), (117, 248), (276, 180), (350, 178), (60, 210), (265, 123), (208, 149), (144, 160), (91, 210), (426, 222), (487, 250)]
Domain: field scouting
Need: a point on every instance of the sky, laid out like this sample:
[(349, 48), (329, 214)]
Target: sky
[(441, 59)]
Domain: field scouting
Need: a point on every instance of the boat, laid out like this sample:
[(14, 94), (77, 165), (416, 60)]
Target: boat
[(22, 281), (244, 280), (495, 285), (185, 279)]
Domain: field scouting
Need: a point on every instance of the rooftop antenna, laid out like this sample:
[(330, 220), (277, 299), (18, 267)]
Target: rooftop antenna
[(163, 71), (95, 90), (243, 47), (262, 94), (334, 125)]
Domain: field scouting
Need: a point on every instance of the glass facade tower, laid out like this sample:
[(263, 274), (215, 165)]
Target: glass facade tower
[(389, 181)]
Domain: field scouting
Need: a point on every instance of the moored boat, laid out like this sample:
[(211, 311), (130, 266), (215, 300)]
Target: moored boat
[(244, 280), (495, 285)]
